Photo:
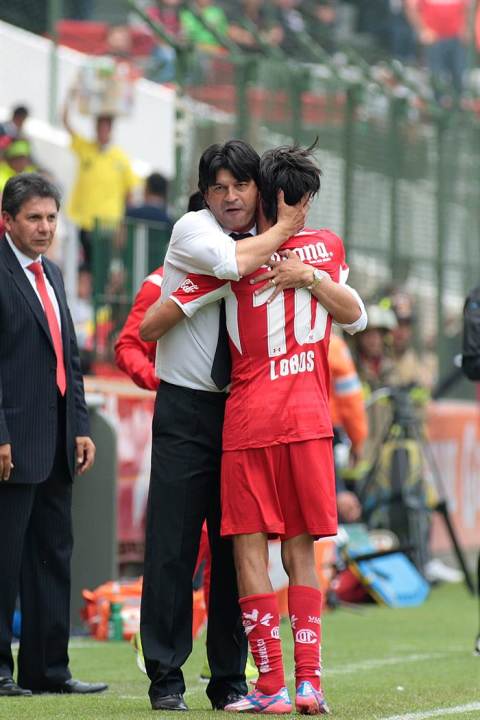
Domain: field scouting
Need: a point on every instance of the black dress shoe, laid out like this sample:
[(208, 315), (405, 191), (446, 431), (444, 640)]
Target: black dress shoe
[(222, 702), (169, 702), (79, 687), (9, 688)]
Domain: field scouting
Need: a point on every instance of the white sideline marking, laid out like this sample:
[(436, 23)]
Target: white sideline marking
[(439, 712), (381, 662)]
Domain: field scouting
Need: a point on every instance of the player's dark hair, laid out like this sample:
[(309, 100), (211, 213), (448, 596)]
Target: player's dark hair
[(289, 168), (236, 156), (21, 188), (156, 184)]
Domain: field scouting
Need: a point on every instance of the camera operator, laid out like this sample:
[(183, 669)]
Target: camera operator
[(386, 359)]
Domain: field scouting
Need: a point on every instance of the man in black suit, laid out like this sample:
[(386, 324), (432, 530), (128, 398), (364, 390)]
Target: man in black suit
[(44, 440)]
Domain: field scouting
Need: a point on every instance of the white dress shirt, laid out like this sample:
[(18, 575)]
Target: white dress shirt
[(24, 261), (198, 245)]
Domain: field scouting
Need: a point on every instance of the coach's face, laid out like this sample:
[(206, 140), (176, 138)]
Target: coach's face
[(33, 228), (232, 201)]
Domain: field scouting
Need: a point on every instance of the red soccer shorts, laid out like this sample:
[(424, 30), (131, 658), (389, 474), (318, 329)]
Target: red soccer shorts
[(282, 490)]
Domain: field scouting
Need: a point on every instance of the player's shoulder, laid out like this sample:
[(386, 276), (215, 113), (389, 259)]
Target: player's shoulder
[(324, 235), (315, 244)]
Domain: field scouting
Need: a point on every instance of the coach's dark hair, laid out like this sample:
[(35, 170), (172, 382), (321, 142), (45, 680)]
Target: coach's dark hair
[(236, 156), (289, 168), (21, 188)]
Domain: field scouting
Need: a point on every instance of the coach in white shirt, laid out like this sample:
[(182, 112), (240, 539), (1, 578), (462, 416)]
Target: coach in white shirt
[(187, 436)]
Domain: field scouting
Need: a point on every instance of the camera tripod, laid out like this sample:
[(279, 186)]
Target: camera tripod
[(403, 494)]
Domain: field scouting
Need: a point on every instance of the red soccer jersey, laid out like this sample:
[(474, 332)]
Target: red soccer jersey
[(447, 18), (280, 377)]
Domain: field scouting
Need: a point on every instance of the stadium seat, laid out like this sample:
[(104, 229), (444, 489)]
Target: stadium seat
[(83, 35)]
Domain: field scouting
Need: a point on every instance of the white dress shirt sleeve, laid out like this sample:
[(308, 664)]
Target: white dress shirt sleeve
[(199, 245)]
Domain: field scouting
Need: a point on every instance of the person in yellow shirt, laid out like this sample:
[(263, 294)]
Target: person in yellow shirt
[(16, 160), (104, 181)]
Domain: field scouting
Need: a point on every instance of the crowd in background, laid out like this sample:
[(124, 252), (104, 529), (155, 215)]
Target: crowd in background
[(106, 186)]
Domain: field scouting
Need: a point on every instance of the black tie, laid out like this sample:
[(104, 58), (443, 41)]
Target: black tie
[(222, 361)]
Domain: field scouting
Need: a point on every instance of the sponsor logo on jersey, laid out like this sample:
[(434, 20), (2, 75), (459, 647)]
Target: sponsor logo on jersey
[(275, 633), (293, 621), (188, 286), (314, 619), (315, 253), (305, 636)]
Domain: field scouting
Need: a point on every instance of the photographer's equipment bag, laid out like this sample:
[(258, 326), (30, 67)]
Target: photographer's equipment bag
[(390, 578)]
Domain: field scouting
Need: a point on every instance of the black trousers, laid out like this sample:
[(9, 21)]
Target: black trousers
[(184, 491), (35, 550)]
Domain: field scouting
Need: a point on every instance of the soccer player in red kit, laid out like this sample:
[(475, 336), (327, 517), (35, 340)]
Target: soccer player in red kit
[(277, 468)]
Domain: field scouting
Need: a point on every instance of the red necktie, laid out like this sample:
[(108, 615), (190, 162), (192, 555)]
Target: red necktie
[(54, 327)]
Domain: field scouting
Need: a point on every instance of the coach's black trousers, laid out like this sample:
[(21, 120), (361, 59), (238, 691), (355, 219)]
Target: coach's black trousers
[(184, 491)]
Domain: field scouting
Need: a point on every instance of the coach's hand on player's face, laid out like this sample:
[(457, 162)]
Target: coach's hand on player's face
[(290, 272), (292, 217), (6, 464)]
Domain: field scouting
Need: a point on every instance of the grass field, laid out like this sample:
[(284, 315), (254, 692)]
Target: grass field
[(379, 663)]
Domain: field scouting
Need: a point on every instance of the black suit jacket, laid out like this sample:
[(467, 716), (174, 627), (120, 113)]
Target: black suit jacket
[(28, 391)]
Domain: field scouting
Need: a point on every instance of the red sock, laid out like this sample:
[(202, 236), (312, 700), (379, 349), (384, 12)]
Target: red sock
[(261, 621), (304, 607)]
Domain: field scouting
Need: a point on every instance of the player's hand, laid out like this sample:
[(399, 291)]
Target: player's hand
[(290, 272), (348, 506), (6, 464), (85, 452), (292, 217)]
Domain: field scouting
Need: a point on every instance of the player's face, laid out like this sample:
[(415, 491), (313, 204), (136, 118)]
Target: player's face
[(232, 201), (33, 228)]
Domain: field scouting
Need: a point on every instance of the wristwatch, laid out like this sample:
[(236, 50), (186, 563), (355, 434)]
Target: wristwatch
[(318, 276)]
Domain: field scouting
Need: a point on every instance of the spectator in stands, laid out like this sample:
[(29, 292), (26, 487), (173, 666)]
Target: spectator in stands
[(154, 205), (401, 40), (195, 31), (323, 28), (17, 159), (292, 23), (13, 129), (163, 57), (263, 18), (104, 181), (441, 28), (153, 212)]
